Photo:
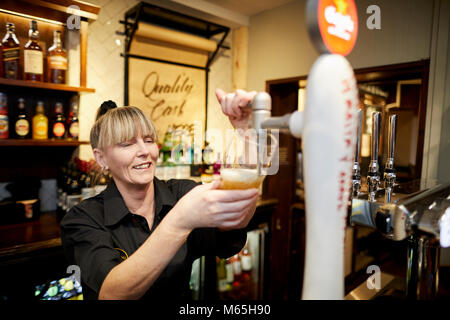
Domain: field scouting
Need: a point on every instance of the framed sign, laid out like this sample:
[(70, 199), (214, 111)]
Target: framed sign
[(171, 95)]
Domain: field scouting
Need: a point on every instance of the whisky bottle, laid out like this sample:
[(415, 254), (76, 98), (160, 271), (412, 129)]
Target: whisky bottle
[(33, 56), (40, 123), (57, 60), (59, 128), (73, 128), (11, 53), (4, 128), (22, 125)]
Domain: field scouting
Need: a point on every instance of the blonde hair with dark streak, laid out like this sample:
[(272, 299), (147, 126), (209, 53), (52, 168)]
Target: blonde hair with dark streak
[(117, 125)]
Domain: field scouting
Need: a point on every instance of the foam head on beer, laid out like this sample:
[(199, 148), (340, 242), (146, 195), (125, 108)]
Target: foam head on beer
[(239, 178)]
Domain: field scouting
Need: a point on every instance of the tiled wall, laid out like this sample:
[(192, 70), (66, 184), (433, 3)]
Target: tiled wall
[(105, 69)]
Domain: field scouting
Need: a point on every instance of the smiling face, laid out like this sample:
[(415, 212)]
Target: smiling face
[(124, 141), (132, 162)]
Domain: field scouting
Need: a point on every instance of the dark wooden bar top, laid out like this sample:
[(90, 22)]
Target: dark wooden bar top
[(30, 236)]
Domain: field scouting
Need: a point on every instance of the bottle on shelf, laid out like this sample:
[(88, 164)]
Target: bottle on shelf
[(66, 182), (189, 150), (11, 53), (102, 183), (177, 150), (40, 123), (237, 270), (246, 262), (221, 275), (207, 154), (33, 56), (230, 273), (216, 167), (87, 190), (57, 60), (61, 190), (22, 125), (59, 128), (73, 128), (167, 145), (73, 185), (4, 122), (247, 289)]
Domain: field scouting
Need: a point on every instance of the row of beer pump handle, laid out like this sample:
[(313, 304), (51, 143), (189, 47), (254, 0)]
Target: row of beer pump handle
[(330, 128), (373, 177)]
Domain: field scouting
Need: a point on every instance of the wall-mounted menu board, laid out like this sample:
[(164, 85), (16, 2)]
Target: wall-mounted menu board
[(171, 95)]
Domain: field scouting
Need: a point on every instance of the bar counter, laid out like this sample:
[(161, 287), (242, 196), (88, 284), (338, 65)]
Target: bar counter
[(30, 236)]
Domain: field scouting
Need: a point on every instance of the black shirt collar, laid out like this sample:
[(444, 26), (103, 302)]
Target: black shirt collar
[(116, 210)]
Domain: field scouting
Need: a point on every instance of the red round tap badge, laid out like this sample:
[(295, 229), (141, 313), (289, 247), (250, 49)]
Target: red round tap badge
[(333, 25)]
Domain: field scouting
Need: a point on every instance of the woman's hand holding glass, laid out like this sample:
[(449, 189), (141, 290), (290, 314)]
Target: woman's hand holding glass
[(206, 206)]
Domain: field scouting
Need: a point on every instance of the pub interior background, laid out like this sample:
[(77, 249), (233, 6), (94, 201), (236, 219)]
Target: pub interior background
[(268, 49)]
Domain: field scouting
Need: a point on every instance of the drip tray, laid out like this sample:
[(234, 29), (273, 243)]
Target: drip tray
[(390, 287)]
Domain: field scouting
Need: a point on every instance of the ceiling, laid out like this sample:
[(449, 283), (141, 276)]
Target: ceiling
[(231, 13), (248, 7)]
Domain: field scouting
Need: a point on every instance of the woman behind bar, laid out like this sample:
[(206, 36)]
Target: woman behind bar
[(139, 237)]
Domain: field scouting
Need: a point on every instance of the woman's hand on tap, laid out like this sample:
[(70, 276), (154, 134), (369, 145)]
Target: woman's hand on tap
[(233, 106)]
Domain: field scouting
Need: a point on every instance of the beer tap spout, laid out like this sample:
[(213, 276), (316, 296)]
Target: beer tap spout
[(373, 178), (356, 169), (389, 171)]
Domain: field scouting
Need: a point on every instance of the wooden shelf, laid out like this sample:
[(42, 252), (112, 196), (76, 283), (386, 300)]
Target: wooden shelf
[(44, 85), (45, 143)]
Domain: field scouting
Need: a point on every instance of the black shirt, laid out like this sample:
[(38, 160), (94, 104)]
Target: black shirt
[(100, 232)]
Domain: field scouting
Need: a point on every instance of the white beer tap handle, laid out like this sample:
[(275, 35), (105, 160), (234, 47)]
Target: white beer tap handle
[(329, 135)]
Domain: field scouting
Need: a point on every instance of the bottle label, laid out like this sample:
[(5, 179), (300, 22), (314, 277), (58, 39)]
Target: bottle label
[(74, 129), (57, 62), (222, 285), (40, 129), (58, 129), (22, 127), (11, 54), (246, 263), (3, 127), (33, 61)]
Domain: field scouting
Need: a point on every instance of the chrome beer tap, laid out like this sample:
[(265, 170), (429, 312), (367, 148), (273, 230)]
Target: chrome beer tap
[(373, 177), (389, 171), (291, 123), (356, 169), (424, 219)]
